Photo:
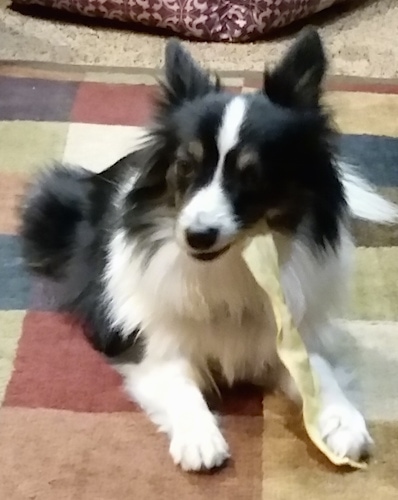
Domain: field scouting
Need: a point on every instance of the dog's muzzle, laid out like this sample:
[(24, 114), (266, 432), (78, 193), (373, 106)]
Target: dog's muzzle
[(202, 244)]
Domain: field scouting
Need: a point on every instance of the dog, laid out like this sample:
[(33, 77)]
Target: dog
[(149, 252)]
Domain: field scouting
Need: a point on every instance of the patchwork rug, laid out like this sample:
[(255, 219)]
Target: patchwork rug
[(67, 431)]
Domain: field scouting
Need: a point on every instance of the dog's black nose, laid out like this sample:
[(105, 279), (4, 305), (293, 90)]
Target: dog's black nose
[(203, 239)]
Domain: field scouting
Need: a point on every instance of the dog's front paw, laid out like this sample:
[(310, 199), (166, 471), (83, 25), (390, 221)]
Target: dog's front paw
[(344, 430), (199, 445)]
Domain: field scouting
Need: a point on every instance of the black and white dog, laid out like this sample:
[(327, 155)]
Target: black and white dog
[(149, 252)]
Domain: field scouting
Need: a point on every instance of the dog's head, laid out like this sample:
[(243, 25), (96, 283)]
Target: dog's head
[(230, 161)]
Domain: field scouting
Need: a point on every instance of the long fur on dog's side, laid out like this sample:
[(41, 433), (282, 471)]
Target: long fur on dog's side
[(63, 234), (149, 251)]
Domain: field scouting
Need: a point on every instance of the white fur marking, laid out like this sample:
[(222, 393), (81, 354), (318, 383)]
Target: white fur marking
[(228, 134), (210, 208)]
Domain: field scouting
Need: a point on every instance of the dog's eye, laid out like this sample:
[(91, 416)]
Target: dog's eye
[(184, 168), (249, 177)]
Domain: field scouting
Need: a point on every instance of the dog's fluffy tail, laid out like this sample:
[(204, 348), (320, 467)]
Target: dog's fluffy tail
[(364, 202), (51, 213)]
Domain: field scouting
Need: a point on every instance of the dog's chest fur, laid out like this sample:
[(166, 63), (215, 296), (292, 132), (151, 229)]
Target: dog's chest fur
[(211, 313)]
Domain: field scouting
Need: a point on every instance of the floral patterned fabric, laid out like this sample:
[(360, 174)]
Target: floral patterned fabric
[(211, 20)]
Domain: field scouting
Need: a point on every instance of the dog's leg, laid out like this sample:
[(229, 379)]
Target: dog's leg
[(167, 391), (342, 426), (313, 288)]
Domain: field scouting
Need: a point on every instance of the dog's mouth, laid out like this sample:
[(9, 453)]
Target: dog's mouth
[(208, 256)]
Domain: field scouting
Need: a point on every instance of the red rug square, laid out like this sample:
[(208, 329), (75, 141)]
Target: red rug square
[(55, 367), (113, 104)]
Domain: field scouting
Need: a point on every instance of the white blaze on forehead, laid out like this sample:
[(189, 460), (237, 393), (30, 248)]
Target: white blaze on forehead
[(210, 206), (228, 133)]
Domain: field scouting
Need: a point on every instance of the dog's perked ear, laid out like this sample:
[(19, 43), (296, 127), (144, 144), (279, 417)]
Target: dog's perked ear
[(185, 80), (296, 80)]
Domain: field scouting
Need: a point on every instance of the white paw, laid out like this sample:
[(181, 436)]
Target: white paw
[(344, 430), (198, 444)]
